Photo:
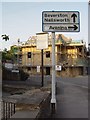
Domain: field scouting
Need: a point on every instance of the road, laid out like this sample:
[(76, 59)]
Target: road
[(72, 98), (79, 81)]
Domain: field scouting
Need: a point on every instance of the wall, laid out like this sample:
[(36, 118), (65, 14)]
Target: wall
[(65, 54), (71, 72)]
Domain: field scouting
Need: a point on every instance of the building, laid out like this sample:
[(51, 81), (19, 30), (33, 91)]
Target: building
[(70, 57)]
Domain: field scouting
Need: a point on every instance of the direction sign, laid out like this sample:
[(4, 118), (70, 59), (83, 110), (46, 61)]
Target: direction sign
[(60, 21)]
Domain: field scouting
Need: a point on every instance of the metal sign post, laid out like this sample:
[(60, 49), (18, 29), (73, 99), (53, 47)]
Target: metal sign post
[(59, 21), (53, 99)]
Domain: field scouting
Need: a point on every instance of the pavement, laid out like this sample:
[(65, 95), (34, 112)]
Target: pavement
[(26, 114), (28, 96)]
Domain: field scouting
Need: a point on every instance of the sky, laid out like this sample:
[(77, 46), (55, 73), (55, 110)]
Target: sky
[(23, 19)]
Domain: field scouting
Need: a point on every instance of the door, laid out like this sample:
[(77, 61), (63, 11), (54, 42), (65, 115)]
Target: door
[(47, 70)]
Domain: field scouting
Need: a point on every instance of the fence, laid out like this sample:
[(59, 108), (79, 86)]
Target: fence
[(8, 109)]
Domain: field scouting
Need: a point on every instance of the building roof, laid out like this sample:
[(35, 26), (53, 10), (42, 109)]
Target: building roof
[(59, 39)]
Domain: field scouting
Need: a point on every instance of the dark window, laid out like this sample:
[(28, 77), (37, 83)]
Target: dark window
[(88, 53), (29, 68), (47, 54), (20, 56), (29, 54), (80, 49), (47, 70)]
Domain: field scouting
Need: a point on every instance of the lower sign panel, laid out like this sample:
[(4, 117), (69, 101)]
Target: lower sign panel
[(61, 28)]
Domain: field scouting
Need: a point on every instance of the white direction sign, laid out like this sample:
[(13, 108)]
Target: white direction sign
[(60, 21)]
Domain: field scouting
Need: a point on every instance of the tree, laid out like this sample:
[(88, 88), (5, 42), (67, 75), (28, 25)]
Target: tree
[(4, 52), (5, 37)]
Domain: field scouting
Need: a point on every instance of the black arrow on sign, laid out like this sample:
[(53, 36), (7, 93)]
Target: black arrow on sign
[(74, 16), (74, 27)]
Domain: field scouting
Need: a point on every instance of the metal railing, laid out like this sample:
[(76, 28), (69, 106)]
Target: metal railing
[(8, 109)]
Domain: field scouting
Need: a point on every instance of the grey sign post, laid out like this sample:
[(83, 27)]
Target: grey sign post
[(59, 21)]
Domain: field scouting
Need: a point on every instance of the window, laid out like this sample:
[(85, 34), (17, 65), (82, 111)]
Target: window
[(29, 68), (47, 54), (20, 56), (80, 49), (29, 54)]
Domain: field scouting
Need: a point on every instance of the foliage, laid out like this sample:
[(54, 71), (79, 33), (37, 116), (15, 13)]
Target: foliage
[(9, 75), (8, 55), (5, 37), (23, 75)]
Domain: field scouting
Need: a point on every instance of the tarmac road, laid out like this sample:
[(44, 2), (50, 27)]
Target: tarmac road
[(72, 98)]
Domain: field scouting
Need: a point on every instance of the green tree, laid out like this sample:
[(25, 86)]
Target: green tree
[(9, 55), (5, 37), (12, 53), (5, 54)]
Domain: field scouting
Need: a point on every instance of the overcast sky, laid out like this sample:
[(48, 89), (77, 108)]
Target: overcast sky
[(23, 19)]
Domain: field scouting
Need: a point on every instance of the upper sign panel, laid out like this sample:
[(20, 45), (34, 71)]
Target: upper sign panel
[(67, 19)]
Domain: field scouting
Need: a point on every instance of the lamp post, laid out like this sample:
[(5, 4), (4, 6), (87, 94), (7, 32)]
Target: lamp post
[(18, 53)]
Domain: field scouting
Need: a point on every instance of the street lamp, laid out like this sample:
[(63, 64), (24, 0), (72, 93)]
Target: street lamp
[(18, 52), (89, 49)]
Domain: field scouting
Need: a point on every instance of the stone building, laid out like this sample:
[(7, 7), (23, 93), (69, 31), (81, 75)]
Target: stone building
[(70, 56)]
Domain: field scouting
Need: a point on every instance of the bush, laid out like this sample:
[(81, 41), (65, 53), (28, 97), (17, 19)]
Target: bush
[(9, 75), (23, 75)]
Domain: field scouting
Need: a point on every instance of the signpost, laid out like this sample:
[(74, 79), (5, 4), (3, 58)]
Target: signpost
[(42, 40), (42, 43), (59, 21), (38, 68), (58, 68)]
